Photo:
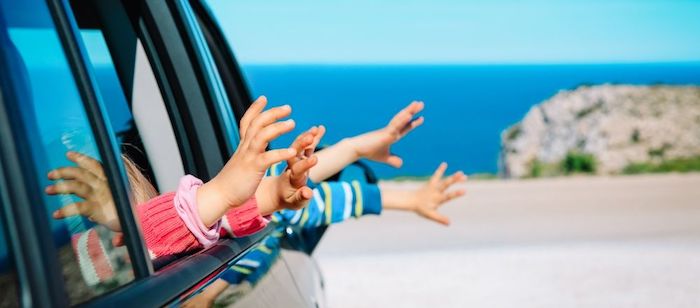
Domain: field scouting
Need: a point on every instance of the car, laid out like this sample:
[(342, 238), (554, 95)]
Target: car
[(158, 82)]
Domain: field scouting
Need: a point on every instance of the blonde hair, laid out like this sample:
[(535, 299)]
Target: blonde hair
[(141, 188)]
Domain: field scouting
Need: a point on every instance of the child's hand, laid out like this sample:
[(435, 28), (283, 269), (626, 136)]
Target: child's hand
[(292, 189), (434, 194), (376, 145), (289, 190), (86, 180), (240, 177), (428, 199)]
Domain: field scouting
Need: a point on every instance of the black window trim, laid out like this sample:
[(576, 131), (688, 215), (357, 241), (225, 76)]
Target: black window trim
[(199, 55), (229, 69), (40, 281), (173, 67), (183, 277), (122, 23)]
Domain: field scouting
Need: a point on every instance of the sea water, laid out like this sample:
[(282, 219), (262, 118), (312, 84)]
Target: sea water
[(467, 106)]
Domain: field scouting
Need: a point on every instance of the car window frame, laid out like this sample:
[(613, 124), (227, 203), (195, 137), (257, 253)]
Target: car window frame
[(160, 29), (40, 277), (41, 281), (152, 23), (168, 52), (202, 58), (229, 69), (105, 137)]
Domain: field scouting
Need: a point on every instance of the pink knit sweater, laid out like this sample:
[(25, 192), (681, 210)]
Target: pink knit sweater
[(165, 233)]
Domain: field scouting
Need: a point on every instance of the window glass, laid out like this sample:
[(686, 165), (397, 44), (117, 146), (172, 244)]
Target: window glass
[(66, 158), (138, 115), (139, 118), (120, 115)]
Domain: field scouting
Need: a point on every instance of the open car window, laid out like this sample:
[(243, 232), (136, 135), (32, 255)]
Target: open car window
[(138, 115)]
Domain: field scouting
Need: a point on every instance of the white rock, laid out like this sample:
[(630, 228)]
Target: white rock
[(617, 124)]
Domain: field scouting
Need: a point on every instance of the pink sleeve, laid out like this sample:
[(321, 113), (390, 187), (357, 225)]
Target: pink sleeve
[(243, 220), (164, 232), (185, 203)]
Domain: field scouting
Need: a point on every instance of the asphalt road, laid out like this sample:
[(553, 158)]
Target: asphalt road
[(574, 242)]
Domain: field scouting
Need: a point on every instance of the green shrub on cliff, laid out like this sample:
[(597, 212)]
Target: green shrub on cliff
[(576, 162), (671, 165)]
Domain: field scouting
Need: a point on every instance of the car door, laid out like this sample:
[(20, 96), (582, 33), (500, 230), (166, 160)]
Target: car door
[(54, 102)]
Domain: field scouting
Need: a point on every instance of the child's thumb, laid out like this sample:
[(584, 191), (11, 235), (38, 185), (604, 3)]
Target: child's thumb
[(394, 161), (301, 197)]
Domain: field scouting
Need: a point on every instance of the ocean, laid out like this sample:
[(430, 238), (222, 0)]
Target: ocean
[(467, 106)]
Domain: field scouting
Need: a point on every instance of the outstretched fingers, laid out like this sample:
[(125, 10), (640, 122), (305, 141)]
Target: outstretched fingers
[(73, 209), (271, 132), (253, 111), (301, 197), (439, 172), (73, 173), (87, 162), (266, 118), (437, 217), (411, 126), (394, 161), (404, 121), (454, 194), (317, 136), (457, 177), (272, 157), (304, 140), (299, 144), (68, 187), (300, 169)]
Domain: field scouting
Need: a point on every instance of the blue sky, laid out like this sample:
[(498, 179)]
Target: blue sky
[(467, 31)]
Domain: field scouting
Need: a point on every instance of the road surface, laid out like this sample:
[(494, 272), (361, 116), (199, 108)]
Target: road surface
[(630, 241)]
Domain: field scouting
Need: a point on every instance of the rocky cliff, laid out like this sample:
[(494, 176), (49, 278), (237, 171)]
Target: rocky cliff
[(615, 125)]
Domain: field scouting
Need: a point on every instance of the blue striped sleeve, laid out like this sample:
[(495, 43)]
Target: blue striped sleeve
[(334, 202)]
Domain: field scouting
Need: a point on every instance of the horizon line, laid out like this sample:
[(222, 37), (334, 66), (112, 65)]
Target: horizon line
[(692, 62)]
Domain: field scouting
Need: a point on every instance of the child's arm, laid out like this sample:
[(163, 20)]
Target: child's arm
[(334, 202), (231, 187), (374, 145), (240, 177), (287, 190), (199, 206), (426, 200)]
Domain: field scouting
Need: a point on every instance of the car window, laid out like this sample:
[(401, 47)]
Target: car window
[(8, 274), (63, 144), (141, 123)]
